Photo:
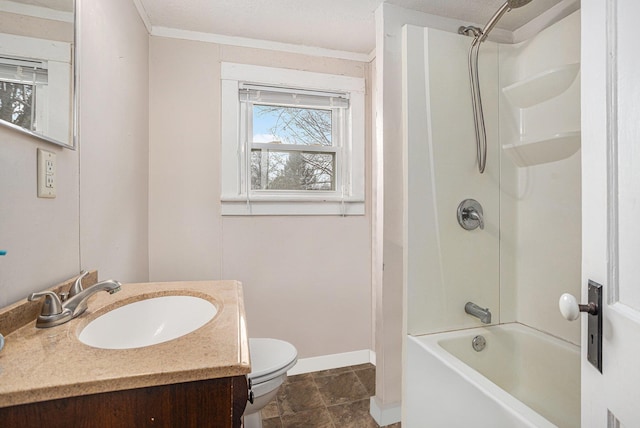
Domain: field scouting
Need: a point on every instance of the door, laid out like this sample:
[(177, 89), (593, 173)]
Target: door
[(611, 207)]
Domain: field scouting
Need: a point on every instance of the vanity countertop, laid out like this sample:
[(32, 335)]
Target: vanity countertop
[(39, 364)]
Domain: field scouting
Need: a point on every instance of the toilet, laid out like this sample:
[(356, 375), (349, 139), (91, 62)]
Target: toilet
[(270, 361)]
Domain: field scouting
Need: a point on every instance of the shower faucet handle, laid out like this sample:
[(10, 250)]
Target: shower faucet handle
[(470, 214)]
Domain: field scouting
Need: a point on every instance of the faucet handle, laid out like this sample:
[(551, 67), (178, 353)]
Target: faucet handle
[(470, 214), (52, 304), (77, 287)]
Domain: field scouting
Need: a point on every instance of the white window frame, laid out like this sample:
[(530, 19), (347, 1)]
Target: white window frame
[(238, 199)]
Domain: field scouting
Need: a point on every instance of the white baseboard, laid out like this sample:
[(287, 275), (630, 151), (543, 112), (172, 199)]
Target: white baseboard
[(385, 415), (333, 361)]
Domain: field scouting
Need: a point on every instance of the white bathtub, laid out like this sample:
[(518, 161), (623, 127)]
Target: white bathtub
[(523, 378)]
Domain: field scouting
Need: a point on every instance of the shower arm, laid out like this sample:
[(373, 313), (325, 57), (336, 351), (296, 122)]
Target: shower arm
[(492, 23)]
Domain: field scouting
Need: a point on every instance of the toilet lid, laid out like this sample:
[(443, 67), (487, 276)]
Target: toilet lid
[(270, 358)]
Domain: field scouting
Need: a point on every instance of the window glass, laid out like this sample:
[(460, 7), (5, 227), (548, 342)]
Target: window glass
[(17, 104), (292, 170), (291, 125)]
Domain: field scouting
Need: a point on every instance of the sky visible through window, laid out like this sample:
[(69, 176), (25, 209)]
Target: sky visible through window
[(291, 125), (262, 124)]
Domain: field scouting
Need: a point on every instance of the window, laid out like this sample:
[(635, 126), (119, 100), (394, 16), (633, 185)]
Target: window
[(36, 86), (294, 147), (294, 138), (21, 84)]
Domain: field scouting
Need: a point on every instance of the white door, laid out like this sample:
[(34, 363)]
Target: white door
[(611, 206)]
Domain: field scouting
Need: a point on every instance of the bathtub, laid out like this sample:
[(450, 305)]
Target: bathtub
[(522, 378)]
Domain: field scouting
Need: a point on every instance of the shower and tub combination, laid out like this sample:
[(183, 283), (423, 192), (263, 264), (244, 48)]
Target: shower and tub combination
[(492, 226)]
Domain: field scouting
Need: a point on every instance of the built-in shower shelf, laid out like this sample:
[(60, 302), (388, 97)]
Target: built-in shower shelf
[(536, 152), (541, 87)]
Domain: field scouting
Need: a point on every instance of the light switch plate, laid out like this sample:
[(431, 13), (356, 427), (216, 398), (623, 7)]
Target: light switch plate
[(47, 170)]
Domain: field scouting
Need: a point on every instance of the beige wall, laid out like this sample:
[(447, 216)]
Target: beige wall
[(40, 236), (114, 135), (49, 240), (316, 295)]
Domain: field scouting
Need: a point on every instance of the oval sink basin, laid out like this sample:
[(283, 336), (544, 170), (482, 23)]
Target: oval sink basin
[(148, 322)]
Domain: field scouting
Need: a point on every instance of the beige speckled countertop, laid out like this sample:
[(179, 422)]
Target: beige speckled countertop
[(39, 364)]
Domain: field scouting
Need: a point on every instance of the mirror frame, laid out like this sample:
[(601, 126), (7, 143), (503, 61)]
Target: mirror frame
[(73, 144)]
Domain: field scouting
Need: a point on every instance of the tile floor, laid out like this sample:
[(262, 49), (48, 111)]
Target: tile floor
[(337, 398)]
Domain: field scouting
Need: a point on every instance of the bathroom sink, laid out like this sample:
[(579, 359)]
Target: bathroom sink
[(148, 322)]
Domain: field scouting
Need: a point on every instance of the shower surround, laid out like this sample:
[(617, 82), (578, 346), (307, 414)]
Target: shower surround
[(528, 253)]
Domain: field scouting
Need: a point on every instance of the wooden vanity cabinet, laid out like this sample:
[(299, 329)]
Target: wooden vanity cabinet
[(215, 403)]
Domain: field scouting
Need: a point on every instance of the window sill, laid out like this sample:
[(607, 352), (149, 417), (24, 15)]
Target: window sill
[(291, 207)]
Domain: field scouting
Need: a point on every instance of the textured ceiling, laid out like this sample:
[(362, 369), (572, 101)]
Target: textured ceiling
[(346, 25)]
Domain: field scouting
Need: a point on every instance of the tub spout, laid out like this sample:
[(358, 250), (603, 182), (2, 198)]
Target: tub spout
[(483, 314)]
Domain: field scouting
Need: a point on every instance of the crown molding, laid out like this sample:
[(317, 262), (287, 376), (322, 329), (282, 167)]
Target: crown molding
[(258, 44)]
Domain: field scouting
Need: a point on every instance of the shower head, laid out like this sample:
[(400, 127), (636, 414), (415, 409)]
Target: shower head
[(514, 4), (506, 7)]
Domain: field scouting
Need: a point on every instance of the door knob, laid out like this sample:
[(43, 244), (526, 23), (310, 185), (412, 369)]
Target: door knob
[(570, 309)]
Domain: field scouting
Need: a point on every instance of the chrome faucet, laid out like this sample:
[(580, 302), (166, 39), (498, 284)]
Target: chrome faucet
[(58, 310), (78, 303), (483, 314)]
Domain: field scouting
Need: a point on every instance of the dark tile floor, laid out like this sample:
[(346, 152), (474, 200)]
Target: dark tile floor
[(337, 398)]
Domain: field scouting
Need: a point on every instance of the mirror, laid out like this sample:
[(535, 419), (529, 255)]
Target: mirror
[(37, 76)]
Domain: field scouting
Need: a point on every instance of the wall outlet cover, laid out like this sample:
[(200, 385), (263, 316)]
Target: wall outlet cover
[(47, 170)]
